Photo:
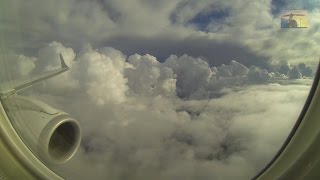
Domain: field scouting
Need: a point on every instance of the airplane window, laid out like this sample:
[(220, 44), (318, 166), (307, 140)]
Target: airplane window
[(169, 89)]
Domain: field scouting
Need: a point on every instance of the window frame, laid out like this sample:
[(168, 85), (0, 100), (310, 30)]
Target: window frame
[(299, 155)]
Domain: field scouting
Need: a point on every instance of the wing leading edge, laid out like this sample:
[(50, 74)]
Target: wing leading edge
[(9, 88)]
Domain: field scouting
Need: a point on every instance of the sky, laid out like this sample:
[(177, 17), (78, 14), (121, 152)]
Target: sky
[(205, 28), (172, 89)]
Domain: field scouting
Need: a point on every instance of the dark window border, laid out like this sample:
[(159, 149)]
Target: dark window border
[(297, 124)]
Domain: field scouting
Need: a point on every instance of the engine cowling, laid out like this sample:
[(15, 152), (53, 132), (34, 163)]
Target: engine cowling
[(52, 135)]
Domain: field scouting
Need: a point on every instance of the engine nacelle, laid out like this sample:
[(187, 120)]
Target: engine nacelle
[(52, 135)]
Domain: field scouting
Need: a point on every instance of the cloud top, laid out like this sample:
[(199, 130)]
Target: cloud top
[(177, 119)]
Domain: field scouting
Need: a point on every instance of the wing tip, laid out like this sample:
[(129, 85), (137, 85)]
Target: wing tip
[(63, 63)]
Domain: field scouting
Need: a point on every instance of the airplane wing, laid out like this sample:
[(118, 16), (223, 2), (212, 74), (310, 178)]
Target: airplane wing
[(294, 15), (11, 87)]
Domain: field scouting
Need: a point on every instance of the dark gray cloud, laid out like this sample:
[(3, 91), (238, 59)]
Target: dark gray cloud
[(249, 33), (213, 51)]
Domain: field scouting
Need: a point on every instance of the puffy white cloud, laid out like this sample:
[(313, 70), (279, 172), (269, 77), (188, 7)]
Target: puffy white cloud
[(49, 60), (257, 75), (19, 65), (193, 74), (147, 137), (238, 69), (98, 73), (136, 127), (116, 57), (233, 69), (143, 76), (25, 65), (148, 77), (104, 81)]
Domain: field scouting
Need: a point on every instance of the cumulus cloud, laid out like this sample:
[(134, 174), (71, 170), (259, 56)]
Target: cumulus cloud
[(258, 75), (49, 59), (294, 73), (193, 74), (105, 82), (147, 76), (19, 65), (98, 73), (304, 70), (146, 138), (145, 119), (143, 75), (234, 69)]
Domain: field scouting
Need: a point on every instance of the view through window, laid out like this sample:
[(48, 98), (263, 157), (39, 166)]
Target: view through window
[(165, 90)]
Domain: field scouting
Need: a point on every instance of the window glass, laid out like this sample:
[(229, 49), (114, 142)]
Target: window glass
[(169, 89)]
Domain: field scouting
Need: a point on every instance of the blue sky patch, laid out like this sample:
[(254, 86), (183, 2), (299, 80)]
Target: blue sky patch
[(202, 20)]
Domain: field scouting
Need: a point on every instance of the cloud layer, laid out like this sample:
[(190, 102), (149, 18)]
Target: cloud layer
[(246, 31), (180, 119)]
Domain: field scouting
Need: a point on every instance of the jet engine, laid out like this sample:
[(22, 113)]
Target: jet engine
[(52, 135)]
